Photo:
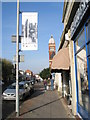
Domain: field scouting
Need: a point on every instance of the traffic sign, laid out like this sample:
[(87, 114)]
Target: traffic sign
[(14, 38), (21, 58)]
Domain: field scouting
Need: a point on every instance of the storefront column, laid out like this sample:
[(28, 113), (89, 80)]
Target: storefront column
[(58, 81), (73, 82)]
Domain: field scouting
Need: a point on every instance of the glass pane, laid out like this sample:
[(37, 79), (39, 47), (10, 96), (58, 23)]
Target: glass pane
[(80, 40), (88, 47), (12, 87), (89, 31), (82, 76), (89, 65)]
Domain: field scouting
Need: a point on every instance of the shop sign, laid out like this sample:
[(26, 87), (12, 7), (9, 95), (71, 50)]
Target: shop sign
[(84, 4)]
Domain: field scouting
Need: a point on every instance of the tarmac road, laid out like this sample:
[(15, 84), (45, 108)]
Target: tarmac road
[(8, 107)]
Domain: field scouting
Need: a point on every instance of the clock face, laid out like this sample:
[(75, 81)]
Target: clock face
[(51, 48), (52, 55)]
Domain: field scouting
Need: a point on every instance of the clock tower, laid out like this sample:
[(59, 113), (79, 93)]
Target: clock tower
[(52, 50)]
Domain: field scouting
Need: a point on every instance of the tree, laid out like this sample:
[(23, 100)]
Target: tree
[(7, 68), (0, 69), (45, 73)]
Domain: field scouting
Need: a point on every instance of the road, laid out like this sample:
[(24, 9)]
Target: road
[(8, 107)]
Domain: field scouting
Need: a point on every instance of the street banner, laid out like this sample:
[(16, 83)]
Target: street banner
[(29, 31)]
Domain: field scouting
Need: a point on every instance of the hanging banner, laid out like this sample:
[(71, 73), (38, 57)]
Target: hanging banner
[(29, 31)]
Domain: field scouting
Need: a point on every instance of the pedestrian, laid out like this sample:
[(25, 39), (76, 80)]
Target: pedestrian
[(52, 82), (45, 84)]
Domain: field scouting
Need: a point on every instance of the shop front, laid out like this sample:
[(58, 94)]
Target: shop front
[(82, 65), (80, 34), (61, 67), (76, 19)]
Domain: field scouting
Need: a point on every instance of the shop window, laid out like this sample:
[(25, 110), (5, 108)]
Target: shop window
[(80, 40), (82, 77), (89, 64), (88, 38), (88, 47), (88, 31)]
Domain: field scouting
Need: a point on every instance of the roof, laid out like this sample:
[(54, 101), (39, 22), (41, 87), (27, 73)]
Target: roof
[(51, 40), (61, 60), (64, 9), (28, 71)]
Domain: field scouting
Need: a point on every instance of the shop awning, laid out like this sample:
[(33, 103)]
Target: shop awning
[(61, 60)]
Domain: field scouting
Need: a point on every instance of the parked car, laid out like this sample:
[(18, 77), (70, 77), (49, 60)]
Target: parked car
[(10, 92), (31, 85), (37, 80), (1, 82), (32, 82)]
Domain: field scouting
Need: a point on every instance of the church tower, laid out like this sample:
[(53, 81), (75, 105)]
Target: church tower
[(52, 50)]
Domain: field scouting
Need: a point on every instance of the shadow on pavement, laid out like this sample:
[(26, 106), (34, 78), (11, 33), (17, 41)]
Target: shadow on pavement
[(35, 94), (40, 106), (39, 90)]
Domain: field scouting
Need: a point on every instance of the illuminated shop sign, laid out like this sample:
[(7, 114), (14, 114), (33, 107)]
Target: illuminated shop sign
[(84, 5)]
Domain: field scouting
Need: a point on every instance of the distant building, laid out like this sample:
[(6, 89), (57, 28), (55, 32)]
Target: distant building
[(38, 78), (21, 72), (52, 49), (29, 74)]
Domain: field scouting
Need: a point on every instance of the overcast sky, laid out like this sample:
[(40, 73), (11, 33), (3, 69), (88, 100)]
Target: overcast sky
[(49, 23)]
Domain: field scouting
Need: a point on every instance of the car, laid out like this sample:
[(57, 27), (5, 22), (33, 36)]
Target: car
[(32, 82), (10, 92), (1, 82), (31, 85)]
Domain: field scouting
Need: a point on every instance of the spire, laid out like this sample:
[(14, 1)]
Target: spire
[(51, 36), (51, 40)]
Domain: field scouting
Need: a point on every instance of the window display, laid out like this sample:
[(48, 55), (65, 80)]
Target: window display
[(82, 77)]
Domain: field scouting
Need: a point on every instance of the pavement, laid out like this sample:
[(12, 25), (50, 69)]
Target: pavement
[(43, 104)]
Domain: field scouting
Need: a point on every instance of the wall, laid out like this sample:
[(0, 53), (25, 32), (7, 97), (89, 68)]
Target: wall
[(58, 81), (72, 70)]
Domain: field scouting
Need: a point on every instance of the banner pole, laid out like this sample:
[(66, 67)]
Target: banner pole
[(17, 63)]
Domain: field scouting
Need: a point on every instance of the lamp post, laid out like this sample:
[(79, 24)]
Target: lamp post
[(17, 62)]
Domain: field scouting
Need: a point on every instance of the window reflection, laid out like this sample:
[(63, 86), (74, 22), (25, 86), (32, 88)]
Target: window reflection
[(80, 40), (82, 76), (88, 37), (88, 47), (88, 27)]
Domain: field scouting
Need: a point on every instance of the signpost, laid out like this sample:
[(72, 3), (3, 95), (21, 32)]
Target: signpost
[(17, 62), (14, 38), (28, 41), (21, 58)]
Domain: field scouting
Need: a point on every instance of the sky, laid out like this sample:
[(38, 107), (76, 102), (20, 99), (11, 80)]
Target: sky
[(49, 23)]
